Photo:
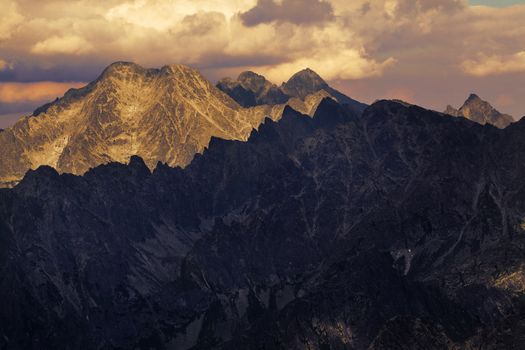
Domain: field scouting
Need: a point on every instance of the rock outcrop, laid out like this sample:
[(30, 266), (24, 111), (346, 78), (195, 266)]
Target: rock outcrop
[(481, 112), (251, 89)]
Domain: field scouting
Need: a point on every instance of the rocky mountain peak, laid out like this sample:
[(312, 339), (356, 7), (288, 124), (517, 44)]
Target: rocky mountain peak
[(249, 76), (306, 74), (473, 98), (480, 111), (121, 69), (304, 83), (252, 89), (167, 114), (254, 82)]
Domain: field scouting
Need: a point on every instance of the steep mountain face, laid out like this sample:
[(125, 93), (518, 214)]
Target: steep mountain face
[(251, 89), (481, 112), (307, 81), (397, 229), (163, 115), (304, 83)]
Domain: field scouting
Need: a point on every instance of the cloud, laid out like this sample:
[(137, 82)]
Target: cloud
[(164, 14), (4, 65), (10, 18), (485, 65), (345, 64), (33, 92), (68, 45), (18, 99), (301, 12)]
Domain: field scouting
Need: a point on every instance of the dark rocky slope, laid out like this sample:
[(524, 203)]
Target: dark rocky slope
[(400, 229)]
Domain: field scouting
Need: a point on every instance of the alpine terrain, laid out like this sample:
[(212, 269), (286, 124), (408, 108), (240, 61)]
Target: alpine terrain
[(163, 115), (400, 228), (252, 89)]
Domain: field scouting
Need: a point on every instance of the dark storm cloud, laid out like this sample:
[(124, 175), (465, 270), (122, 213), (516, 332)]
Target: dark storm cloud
[(11, 112), (301, 12), (63, 73), (6, 120), (16, 108)]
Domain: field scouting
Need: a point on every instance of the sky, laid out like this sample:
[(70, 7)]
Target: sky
[(427, 52)]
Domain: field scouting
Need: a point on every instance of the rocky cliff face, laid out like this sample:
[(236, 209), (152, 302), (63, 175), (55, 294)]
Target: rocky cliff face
[(251, 89), (481, 112), (397, 229), (163, 115)]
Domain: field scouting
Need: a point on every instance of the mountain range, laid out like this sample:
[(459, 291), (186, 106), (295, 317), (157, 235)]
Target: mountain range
[(251, 89), (163, 115), (481, 112), (400, 226), (304, 224)]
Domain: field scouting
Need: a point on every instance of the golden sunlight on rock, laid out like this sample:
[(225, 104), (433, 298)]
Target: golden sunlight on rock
[(513, 282)]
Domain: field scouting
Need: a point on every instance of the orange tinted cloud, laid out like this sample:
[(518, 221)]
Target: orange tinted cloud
[(493, 65), (34, 92)]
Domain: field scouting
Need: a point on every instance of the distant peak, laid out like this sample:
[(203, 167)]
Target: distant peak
[(306, 74), (249, 75), (304, 83), (121, 66), (482, 112), (473, 97), (474, 101), (120, 69), (253, 81)]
